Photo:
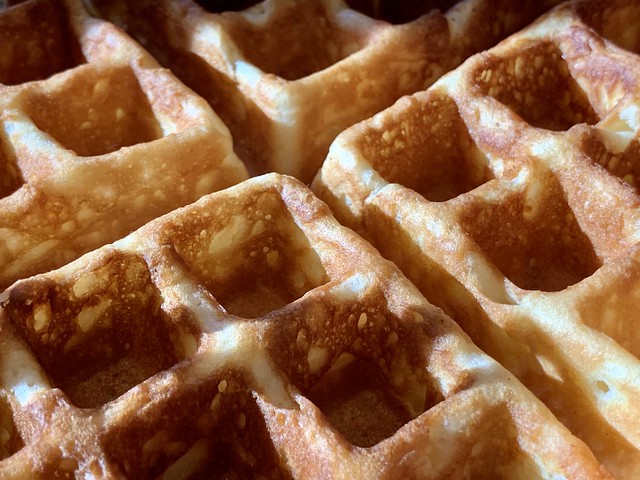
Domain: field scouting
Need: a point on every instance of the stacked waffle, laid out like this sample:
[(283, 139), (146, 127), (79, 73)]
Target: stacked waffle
[(96, 138), (250, 334), (508, 193)]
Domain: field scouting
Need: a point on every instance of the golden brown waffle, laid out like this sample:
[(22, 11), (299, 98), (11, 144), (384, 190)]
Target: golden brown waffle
[(508, 193), (95, 138), (250, 335), (287, 76)]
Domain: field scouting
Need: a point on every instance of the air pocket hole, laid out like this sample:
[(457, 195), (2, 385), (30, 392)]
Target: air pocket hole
[(602, 386)]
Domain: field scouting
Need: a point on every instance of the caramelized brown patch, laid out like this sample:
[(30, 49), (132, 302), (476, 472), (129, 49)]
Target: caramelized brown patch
[(101, 332), (399, 12), (533, 237), (96, 112), (37, 42), (429, 151), (538, 86)]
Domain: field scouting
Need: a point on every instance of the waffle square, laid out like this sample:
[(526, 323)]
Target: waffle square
[(250, 334), (508, 193), (96, 138), (287, 76)]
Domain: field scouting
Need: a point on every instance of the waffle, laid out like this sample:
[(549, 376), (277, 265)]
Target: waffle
[(96, 138), (287, 76), (508, 193), (250, 334)]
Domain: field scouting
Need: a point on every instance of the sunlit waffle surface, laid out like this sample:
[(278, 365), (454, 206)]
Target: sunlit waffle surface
[(249, 334), (95, 138), (287, 76), (508, 193)]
